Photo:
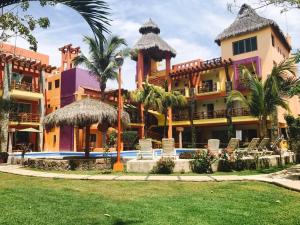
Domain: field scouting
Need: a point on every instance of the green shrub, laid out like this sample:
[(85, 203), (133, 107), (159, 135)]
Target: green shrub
[(164, 166), (3, 157), (202, 162), (130, 139), (225, 164), (294, 135)]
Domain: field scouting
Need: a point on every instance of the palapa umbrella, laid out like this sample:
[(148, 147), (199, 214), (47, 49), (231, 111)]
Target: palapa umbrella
[(84, 113)]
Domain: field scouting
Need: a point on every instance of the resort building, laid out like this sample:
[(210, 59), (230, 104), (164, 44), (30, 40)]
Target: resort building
[(250, 40), (22, 80)]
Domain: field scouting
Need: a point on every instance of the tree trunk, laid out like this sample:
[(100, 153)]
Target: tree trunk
[(264, 126), (165, 125), (4, 118), (102, 89), (192, 112), (261, 127), (87, 141), (146, 116)]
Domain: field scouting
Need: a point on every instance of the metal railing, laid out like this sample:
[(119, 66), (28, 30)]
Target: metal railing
[(24, 86), (24, 117), (180, 116)]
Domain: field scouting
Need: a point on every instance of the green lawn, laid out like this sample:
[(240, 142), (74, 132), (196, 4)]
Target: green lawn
[(36, 201)]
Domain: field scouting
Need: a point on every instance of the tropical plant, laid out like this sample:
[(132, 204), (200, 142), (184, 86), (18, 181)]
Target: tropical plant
[(294, 134), (101, 62), (164, 166), (202, 162), (95, 13), (265, 97), (171, 99), (150, 96)]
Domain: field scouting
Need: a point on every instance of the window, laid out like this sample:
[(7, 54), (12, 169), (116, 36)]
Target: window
[(245, 45), (56, 84), (273, 40), (54, 139), (49, 106), (49, 86)]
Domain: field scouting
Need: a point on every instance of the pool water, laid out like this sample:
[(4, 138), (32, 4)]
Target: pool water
[(60, 155)]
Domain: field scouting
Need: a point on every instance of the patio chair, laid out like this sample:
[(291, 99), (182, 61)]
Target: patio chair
[(213, 145), (168, 148), (262, 148), (233, 144), (146, 150), (252, 146)]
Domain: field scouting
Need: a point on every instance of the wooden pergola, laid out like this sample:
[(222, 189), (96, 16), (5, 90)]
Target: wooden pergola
[(25, 63), (185, 70)]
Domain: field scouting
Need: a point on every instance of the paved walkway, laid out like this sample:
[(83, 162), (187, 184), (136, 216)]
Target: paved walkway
[(276, 179)]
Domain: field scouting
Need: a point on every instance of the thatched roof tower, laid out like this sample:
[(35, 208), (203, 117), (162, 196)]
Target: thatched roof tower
[(248, 21), (84, 113), (152, 44)]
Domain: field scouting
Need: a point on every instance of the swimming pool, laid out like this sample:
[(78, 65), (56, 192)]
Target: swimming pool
[(60, 155)]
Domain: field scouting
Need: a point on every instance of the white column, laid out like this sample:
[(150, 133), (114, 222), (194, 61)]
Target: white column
[(180, 130)]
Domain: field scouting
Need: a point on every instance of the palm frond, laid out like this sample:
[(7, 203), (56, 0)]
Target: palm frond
[(95, 12)]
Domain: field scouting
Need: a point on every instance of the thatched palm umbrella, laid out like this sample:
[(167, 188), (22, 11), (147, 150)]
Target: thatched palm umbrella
[(84, 113)]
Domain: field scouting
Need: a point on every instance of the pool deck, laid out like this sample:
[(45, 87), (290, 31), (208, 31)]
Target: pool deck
[(276, 178)]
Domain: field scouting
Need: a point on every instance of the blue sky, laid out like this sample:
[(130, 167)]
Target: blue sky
[(189, 26)]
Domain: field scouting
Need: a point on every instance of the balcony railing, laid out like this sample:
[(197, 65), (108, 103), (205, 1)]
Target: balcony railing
[(24, 117), (24, 86), (207, 89), (211, 114)]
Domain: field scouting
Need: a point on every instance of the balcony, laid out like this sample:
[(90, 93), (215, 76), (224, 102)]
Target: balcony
[(24, 118), (26, 91), (216, 114)]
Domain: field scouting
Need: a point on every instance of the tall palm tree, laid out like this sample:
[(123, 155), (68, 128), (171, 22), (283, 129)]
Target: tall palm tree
[(150, 96), (171, 100), (101, 62), (266, 96)]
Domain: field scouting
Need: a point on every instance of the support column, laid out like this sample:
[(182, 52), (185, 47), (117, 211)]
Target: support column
[(140, 75), (42, 111), (168, 69), (180, 130)]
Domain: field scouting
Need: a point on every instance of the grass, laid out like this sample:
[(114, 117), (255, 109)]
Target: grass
[(238, 173), (38, 201)]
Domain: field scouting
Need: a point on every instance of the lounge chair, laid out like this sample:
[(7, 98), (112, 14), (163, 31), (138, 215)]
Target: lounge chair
[(233, 144), (262, 148), (146, 150), (252, 146), (168, 148), (213, 145)]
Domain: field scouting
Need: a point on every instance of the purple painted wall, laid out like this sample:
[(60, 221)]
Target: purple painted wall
[(253, 60), (71, 80)]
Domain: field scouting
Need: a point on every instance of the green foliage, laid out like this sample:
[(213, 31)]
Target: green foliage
[(266, 96), (112, 139), (202, 162), (101, 62), (294, 134), (95, 13), (3, 157), (164, 166), (130, 139)]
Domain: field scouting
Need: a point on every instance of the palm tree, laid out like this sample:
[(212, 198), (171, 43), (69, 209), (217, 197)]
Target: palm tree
[(266, 96), (101, 62), (171, 100), (150, 96)]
